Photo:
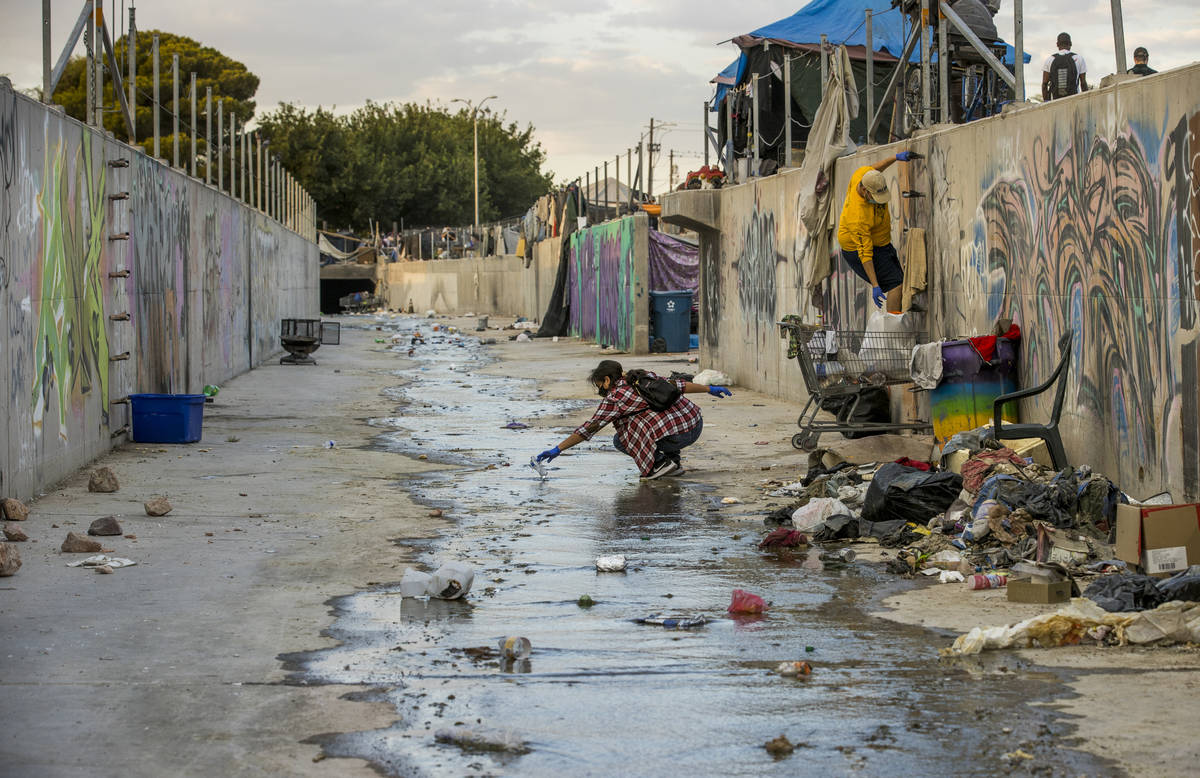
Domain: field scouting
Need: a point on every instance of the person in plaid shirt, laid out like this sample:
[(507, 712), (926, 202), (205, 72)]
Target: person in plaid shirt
[(653, 438)]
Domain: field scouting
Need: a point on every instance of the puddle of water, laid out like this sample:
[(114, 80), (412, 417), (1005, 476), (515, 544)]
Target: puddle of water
[(603, 694)]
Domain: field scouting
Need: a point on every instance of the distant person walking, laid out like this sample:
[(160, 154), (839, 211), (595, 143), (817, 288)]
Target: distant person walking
[(1141, 58), (653, 438), (1063, 72), (865, 233)]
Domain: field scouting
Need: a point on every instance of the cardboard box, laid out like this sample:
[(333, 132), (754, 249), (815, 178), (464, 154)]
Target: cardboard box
[(1034, 448), (1029, 590), (1161, 539)]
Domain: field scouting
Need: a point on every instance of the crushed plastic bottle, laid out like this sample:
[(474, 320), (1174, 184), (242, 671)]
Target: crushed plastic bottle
[(415, 583), (451, 581), (540, 467)]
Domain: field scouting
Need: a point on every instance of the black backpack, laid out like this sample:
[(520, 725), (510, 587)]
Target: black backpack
[(1064, 76), (659, 393)]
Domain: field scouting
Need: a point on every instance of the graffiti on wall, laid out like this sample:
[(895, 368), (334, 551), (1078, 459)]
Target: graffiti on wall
[(161, 234), (1087, 238), (70, 354), (602, 281)]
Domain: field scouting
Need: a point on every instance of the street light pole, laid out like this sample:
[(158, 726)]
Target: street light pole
[(475, 133)]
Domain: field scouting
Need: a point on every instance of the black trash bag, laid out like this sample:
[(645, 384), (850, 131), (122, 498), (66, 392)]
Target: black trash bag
[(899, 493), (1055, 502), (1184, 585), (782, 517), (1120, 593), (839, 527), (874, 406)]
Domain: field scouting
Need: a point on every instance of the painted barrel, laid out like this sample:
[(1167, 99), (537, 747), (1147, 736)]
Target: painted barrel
[(969, 387)]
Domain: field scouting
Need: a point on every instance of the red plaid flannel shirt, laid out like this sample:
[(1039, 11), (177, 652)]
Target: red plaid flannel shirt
[(639, 427)]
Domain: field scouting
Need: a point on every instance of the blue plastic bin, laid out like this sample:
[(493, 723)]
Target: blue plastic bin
[(167, 418), (671, 318)]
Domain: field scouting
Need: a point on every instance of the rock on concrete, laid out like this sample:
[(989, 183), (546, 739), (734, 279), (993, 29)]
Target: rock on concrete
[(157, 506), (78, 544), (14, 533), (103, 480), (14, 510), (105, 526), (10, 559)]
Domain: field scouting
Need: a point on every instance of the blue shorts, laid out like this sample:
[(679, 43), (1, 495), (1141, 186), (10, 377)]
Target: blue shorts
[(887, 266)]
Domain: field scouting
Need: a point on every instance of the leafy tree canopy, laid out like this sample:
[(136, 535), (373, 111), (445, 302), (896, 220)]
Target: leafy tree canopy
[(231, 83), (388, 162)]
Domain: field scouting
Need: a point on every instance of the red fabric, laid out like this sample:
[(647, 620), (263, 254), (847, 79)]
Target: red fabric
[(639, 427), (913, 463), (985, 345), (783, 538), (745, 602), (977, 469)]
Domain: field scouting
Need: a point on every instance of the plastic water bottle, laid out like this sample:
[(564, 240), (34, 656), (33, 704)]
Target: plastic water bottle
[(515, 647), (988, 581), (414, 583), (452, 580)]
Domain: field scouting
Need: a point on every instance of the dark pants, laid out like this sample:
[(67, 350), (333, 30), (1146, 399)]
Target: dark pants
[(670, 446), (888, 271)]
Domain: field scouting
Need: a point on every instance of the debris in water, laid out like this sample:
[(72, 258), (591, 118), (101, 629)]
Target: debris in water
[(585, 601), (540, 467), (515, 425), (479, 740), (672, 622), (779, 747), (794, 669), (611, 564)]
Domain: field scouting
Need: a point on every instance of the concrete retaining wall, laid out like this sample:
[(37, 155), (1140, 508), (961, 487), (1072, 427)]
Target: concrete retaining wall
[(1080, 215), (175, 287)]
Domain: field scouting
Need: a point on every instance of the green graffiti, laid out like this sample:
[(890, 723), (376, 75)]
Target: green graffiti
[(71, 349)]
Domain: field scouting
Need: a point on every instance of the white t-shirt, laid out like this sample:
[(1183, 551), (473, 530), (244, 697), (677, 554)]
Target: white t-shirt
[(1080, 66)]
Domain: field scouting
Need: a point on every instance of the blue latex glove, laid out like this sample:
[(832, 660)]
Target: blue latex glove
[(548, 454), (907, 156), (719, 391), (878, 296)]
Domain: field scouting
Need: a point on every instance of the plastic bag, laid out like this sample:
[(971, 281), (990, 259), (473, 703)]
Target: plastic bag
[(816, 511), (744, 602), (711, 378), (874, 406), (1123, 593), (905, 493)]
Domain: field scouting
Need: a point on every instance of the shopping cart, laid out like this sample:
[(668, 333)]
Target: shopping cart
[(839, 366)]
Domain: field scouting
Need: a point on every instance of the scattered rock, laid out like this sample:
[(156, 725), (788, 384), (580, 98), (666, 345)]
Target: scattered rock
[(14, 533), (14, 510), (105, 526), (423, 457), (131, 536), (436, 513), (779, 747), (157, 506), (78, 544), (104, 569), (103, 480), (10, 560)]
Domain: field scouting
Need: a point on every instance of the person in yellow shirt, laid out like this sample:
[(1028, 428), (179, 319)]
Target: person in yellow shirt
[(865, 233)]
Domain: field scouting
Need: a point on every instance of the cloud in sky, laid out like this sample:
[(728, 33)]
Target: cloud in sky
[(588, 75)]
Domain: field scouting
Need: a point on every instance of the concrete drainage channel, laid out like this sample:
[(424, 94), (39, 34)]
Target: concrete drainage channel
[(603, 694)]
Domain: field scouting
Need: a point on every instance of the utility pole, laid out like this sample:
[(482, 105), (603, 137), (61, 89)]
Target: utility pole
[(671, 172), (650, 167)]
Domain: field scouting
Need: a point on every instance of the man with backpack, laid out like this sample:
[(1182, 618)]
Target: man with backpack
[(1063, 72), (653, 420)]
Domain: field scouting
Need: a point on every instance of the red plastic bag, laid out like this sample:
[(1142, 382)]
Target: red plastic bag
[(745, 602)]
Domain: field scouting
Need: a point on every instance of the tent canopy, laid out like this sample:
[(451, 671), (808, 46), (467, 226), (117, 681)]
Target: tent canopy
[(843, 22)]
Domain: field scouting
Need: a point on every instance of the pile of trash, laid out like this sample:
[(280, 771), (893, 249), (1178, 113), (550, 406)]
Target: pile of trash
[(990, 517)]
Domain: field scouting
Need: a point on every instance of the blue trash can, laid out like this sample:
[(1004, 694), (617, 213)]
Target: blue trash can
[(167, 418), (671, 318)]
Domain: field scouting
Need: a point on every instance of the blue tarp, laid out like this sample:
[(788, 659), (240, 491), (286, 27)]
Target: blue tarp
[(844, 22), (730, 76)]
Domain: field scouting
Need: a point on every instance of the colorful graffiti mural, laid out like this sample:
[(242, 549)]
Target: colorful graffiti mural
[(1087, 236), (71, 346), (602, 280)]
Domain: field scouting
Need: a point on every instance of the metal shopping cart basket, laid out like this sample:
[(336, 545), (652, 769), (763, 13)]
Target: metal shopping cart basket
[(843, 365)]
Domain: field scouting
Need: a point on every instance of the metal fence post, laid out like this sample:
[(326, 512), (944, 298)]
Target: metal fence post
[(45, 51), (754, 126), (730, 167), (707, 104), (221, 145), (870, 74), (925, 63), (131, 53), (154, 112), (943, 71), (175, 109), (193, 94), (208, 135), (787, 110), (1018, 51)]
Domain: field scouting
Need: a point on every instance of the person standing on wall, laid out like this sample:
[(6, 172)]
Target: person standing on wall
[(1141, 60), (865, 233), (1063, 72), (652, 437)]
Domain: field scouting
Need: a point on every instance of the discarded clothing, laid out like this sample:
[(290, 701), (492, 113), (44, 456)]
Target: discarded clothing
[(976, 469), (783, 538), (1124, 593), (924, 466), (841, 527), (985, 345), (1054, 502), (925, 364)]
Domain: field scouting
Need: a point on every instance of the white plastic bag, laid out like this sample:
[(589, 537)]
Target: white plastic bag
[(809, 516), (889, 336), (711, 377)]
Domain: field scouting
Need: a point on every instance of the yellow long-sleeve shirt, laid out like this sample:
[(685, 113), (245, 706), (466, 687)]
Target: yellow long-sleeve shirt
[(863, 224)]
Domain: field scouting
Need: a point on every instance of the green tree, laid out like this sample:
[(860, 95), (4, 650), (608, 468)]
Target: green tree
[(389, 162), (231, 82)]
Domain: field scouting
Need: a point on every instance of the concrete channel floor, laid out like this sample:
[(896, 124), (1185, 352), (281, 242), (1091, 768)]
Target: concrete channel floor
[(172, 666)]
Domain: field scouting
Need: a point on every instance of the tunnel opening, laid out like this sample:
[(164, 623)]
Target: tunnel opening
[(334, 289)]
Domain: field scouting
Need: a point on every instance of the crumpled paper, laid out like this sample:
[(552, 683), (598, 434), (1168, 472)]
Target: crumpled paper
[(102, 560)]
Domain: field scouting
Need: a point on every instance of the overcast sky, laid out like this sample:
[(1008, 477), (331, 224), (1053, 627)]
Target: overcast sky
[(587, 75)]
